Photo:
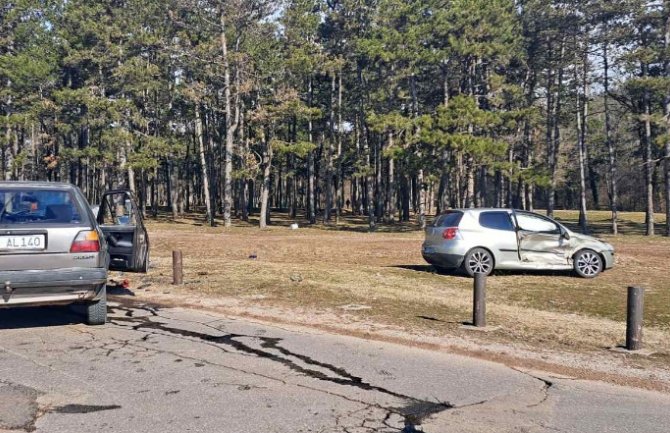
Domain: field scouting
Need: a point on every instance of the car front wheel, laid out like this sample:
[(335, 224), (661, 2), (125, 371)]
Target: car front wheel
[(478, 261), (588, 263)]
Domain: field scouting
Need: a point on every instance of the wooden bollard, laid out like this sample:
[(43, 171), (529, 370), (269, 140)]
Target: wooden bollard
[(479, 301), (634, 318), (177, 268)]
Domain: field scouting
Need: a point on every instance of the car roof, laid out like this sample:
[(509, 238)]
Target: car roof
[(478, 210), (35, 184)]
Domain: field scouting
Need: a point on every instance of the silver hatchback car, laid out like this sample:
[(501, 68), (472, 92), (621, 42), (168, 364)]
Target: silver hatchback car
[(54, 250), (481, 240)]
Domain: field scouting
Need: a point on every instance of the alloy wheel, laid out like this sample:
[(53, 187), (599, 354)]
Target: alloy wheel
[(480, 262), (589, 264)]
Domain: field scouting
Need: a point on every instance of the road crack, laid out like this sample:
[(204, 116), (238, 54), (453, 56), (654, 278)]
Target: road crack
[(546, 386), (414, 412)]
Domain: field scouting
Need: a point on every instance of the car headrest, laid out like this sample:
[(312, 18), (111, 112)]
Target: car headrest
[(61, 213)]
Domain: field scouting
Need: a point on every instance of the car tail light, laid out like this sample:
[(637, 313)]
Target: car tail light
[(450, 233), (86, 242)]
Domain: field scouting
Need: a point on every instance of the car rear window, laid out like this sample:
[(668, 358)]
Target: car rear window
[(450, 219), (30, 206), (496, 221)]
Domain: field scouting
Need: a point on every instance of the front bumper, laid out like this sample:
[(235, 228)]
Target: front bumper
[(608, 255), (51, 287)]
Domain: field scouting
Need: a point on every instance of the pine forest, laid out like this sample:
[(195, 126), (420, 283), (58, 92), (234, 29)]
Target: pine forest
[(385, 109)]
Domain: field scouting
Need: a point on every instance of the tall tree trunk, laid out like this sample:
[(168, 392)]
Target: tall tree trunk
[(549, 133), (203, 166), (340, 174), (445, 184), (174, 188), (458, 177), (129, 168), (666, 153), (311, 168), (648, 157), (265, 187), (329, 153), (612, 168), (230, 127), (582, 111), (555, 139), (369, 182), (420, 178), (390, 185)]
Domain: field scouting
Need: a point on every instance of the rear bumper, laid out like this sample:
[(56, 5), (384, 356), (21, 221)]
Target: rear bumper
[(447, 255), (446, 261), (48, 287)]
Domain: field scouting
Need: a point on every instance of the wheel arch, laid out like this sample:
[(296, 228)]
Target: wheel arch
[(596, 252), (579, 250), (493, 255)]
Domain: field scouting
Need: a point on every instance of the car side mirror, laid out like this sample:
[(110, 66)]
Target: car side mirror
[(565, 235)]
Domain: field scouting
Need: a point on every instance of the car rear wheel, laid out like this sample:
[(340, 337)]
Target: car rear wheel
[(478, 261), (96, 312), (588, 263)]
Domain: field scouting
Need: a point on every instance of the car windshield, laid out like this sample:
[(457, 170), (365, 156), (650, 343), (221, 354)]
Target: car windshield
[(38, 206)]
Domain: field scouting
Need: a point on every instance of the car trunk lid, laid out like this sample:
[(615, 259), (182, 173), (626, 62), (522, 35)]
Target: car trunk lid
[(435, 234)]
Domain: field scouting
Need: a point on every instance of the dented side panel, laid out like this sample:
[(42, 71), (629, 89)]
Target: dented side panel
[(544, 249)]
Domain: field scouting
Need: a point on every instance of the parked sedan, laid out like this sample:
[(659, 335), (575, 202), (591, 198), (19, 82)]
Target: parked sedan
[(481, 240), (54, 250)]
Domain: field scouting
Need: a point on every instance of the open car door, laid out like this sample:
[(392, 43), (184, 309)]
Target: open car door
[(541, 241), (123, 227)]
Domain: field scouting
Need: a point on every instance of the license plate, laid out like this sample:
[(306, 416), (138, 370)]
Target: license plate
[(22, 242)]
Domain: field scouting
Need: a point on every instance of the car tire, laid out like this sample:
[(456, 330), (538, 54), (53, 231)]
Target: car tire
[(478, 260), (588, 263), (96, 312), (145, 266)]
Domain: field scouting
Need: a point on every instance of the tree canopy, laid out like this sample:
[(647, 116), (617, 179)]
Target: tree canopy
[(384, 108)]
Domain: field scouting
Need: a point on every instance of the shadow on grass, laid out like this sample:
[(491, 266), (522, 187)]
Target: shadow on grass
[(429, 269), (281, 218), (629, 222), (604, 227), (437, 320)]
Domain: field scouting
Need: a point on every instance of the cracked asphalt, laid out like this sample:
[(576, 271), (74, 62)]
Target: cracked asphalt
[(176, 370)]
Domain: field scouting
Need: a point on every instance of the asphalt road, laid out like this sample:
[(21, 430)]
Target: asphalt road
[(174, 370)]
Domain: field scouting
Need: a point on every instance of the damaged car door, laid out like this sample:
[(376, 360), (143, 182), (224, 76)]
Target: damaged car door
[(123, 227), (541, 241)]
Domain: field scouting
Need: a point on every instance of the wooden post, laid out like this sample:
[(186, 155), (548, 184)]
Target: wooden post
[(479, 301), (177, 268), (634, 318)]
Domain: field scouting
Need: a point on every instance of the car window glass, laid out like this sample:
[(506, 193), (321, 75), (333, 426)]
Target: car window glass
[(450, 219), (38, 206), (496, 221), (534, 223), (118, 210)]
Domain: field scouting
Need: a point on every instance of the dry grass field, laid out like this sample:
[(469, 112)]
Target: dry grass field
[(381, 278)]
